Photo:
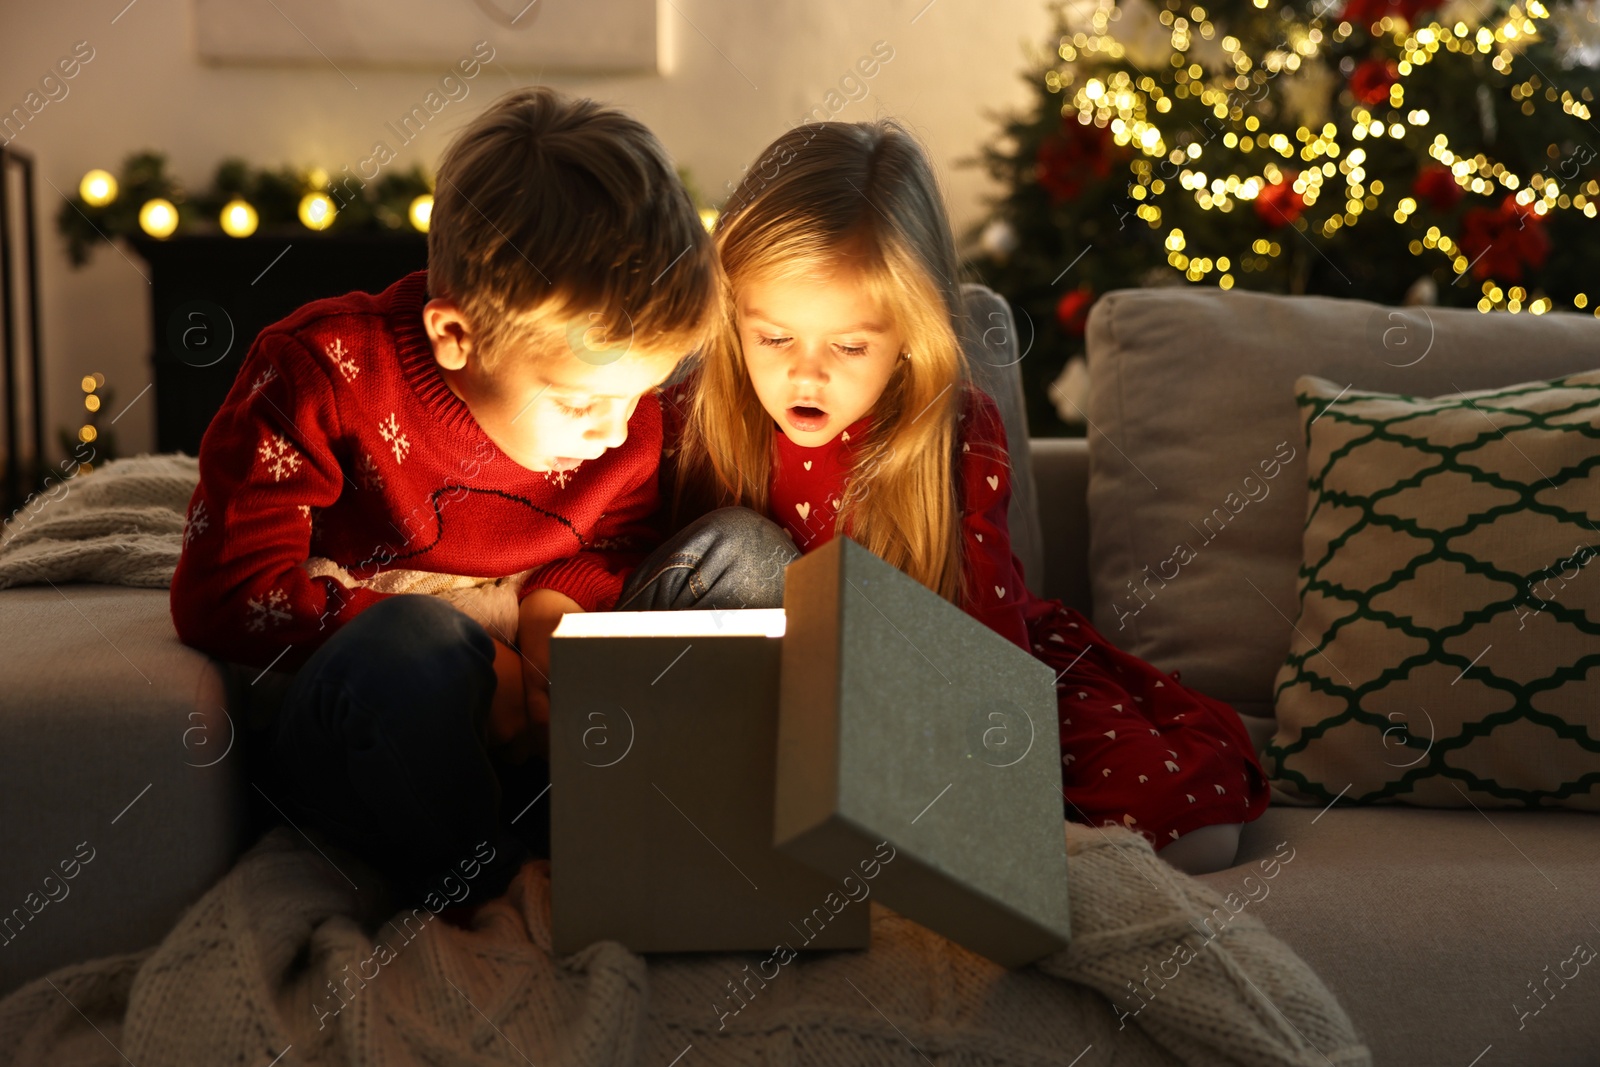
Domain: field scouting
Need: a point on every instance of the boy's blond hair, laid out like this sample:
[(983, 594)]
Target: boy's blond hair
[(556, 216)]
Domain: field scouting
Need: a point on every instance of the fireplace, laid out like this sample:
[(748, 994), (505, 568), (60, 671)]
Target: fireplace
[(211, 295)]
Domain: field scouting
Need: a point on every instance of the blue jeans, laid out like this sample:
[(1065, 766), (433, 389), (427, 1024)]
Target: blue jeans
[(381, 740)]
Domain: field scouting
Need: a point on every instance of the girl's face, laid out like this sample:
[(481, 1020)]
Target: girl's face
[(819, 352)]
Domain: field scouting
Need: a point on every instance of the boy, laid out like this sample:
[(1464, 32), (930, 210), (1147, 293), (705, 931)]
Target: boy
[(478, 420)]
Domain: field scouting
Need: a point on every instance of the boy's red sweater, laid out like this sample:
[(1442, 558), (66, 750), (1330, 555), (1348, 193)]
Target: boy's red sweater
[(340, 440)]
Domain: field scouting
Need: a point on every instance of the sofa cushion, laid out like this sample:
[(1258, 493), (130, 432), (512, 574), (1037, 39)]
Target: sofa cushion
[(1197, 470), (1436, 929), (1447, 650)]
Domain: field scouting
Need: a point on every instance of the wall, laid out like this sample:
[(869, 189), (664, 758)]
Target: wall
[(741, 73)]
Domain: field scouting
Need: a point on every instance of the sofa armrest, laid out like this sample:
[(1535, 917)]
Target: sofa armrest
[(121, 753), (1061, 474)]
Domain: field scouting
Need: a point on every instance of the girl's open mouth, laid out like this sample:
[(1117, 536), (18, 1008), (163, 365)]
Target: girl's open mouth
[(806, 419)]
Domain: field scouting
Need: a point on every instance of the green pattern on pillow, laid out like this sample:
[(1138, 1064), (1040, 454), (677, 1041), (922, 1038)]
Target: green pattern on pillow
[(1447, 649)]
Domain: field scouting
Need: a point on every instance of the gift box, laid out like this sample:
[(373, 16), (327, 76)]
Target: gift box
[(748, 780), (663, 737)]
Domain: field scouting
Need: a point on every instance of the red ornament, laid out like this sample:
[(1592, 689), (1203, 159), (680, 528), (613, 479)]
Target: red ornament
[(1501, 241), (1435, 184), (1072, 311), (1370, 81), (1366, 12), (1278, 204), (1070, 156)]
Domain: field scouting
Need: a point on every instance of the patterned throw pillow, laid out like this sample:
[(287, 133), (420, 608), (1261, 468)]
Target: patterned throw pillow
[(1447, 650)]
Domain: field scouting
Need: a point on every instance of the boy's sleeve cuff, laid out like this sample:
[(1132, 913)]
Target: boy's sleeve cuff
[(582, 578)]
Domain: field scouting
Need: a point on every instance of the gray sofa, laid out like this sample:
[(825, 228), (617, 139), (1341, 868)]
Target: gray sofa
[(1430, 926)]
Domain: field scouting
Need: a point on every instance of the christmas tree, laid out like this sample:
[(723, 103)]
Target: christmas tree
[(1390, 150)]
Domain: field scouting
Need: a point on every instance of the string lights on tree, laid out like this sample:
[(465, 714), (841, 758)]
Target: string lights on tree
[(1391, 150), (97, 398)]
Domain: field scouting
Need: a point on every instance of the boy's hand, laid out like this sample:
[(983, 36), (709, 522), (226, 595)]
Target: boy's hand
[(538, 616), (510, 731)]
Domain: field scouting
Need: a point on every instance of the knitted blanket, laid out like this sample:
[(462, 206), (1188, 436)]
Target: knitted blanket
[(121, 524), (283, 961)]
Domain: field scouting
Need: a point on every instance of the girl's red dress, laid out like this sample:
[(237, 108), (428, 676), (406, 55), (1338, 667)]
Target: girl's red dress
[(1139, 748)]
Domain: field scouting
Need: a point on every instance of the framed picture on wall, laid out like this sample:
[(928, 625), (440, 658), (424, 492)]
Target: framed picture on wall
[(568, 36)]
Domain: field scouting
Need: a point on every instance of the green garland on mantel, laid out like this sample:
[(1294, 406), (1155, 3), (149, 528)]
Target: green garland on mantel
[(275, 195)]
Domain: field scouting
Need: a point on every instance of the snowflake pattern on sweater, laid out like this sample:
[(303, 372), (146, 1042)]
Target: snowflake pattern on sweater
[(341, 431), (279, 456), (1140, 749)]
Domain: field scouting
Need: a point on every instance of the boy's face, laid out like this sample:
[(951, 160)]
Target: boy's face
[(819, 352), (551, 407)]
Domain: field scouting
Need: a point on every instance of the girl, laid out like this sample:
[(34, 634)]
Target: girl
[(837, 399)]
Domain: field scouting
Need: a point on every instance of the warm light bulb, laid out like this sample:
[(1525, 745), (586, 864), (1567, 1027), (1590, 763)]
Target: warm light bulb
[(422, 211), (158, 217), (316, 211), (708, 218), (238, 218), (98, 188)]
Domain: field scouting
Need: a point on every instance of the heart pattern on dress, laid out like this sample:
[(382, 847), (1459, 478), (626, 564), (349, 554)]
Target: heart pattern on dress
[(804, 509), (808, 464), (1000, 591), (994, 481)]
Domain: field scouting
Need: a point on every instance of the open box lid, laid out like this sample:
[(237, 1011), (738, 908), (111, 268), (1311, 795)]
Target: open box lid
[(904, 720)]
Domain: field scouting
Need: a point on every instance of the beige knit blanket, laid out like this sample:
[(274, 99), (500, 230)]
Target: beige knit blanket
[(121, 524), (282, 962)]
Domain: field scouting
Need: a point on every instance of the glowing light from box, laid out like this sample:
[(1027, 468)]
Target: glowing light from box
[(98, 188), (158, 217), (740, 622)]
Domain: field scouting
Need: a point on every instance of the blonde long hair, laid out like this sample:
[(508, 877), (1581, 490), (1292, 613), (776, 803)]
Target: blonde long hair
[(822, 196)]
